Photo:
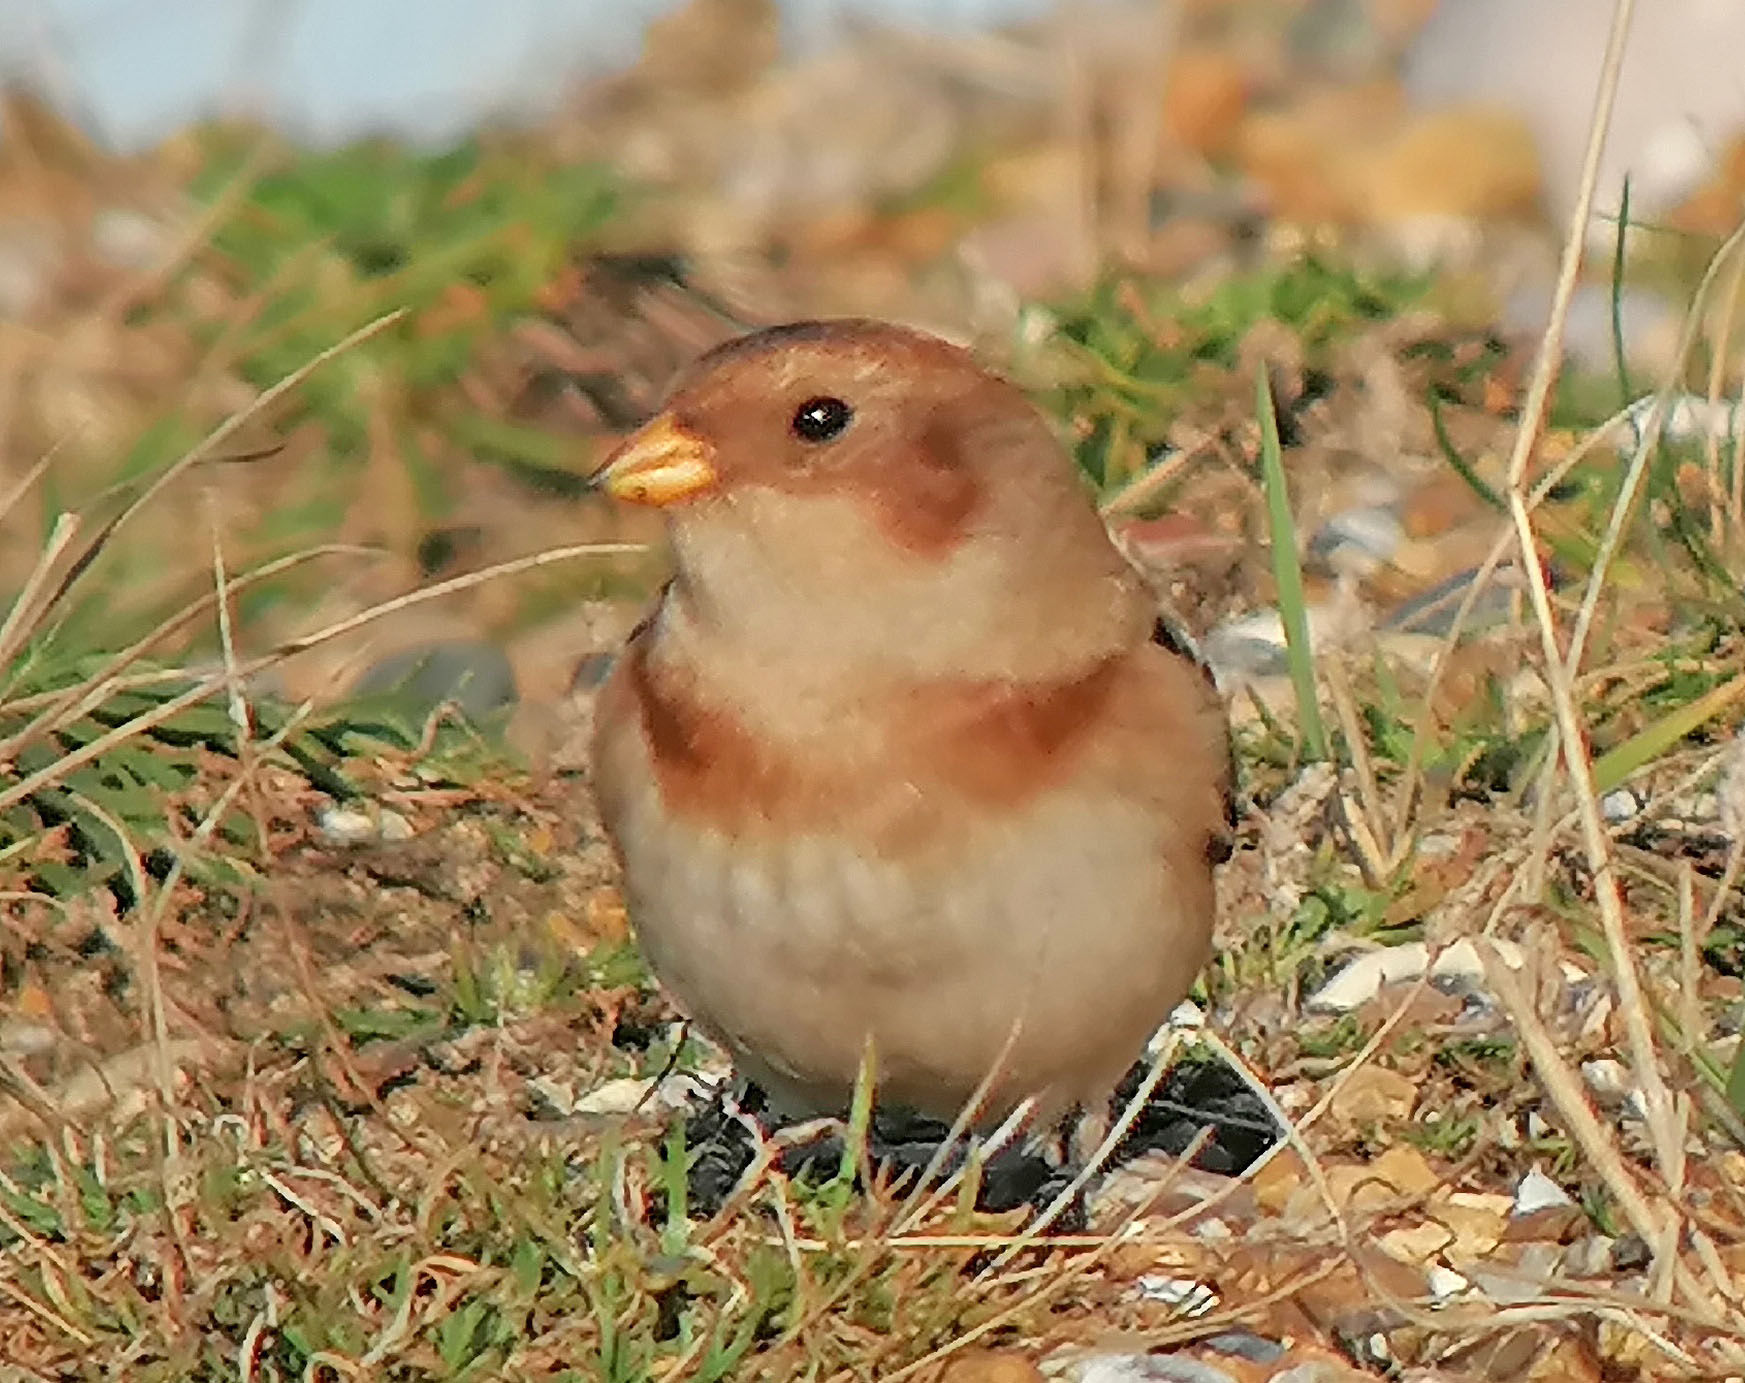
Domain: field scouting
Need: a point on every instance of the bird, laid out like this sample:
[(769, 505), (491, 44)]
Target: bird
[(903, 762)]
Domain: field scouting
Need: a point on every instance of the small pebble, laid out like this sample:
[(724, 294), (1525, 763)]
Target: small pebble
[(614, 1097), (1630, 1254), (356, 826), (128, 239), (1248, 646), (628, 1093), (1456, 969), (1358, 541), (1608, 1079), (1620, 805), (1589, 1257), (1688, 418), (1244, 1344), (476, 677), (1253, 645), (345, 825), (1461, 966), (1433, 612), (1146, 1368), (1187, 1016), (1362, 978), (590, 672), (560, 1095), (24, 1038)]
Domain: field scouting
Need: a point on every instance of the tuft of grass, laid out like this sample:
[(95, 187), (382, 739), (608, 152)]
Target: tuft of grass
[(448, 252), (1134, 352), (463, 242), (1288, 572)]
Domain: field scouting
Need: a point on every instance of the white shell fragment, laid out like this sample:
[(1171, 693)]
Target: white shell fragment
[(1537, 1192), (1363, 978), (1188, 1295)]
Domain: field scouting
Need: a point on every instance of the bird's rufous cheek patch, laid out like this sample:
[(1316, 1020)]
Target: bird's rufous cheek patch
[(925, 495)]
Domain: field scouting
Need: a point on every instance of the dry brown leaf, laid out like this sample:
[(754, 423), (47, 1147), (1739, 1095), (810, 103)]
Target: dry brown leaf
[(1374, 1095)]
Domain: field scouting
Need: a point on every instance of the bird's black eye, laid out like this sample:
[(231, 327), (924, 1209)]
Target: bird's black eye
[(820, 419)]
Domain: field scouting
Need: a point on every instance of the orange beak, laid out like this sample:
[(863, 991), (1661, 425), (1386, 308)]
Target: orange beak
[(658, 464)]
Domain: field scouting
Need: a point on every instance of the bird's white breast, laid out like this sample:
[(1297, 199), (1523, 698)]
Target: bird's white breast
[(1053, 921)]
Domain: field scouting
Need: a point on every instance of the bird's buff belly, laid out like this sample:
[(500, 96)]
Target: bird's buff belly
[(1044, 947)]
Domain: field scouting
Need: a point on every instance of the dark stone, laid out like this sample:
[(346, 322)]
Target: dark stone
[(1630, 1254), (1242, 1344), (476, 677)]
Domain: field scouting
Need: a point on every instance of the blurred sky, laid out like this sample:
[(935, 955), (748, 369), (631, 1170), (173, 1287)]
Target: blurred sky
[(133, 71)]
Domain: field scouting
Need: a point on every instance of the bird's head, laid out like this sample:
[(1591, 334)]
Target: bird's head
[(863, 474)]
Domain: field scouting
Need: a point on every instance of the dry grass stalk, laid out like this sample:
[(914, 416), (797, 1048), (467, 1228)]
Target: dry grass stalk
[(206, 686), (1134, 1107), (1550, 354), (1655, 1222), (60, 708), (1647, 443), (1481, 580), (1633, 1004), (207, 447), (1720, 358), (21, 620)]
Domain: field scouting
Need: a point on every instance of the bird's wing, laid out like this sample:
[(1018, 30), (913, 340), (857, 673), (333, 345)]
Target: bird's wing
[(1168, 634)]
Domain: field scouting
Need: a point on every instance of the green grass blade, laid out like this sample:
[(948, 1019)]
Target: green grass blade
[(1456, 462), (1626, 391), (674, 1168), (1287, 572), (1736, 1081), (854, 1137), (1614, 767)]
